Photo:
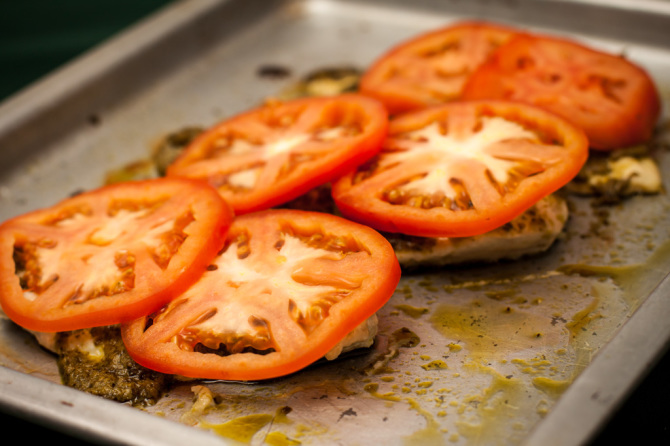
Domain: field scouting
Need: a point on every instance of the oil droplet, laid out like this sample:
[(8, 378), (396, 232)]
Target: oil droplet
[(582, 318), (411, 311), (244, 428), (437, 364), (552, 387), (240, 429), (487, 414), (501, 294), (311, 431), (430, 435), (533, 366), (543, 408), (280, 439), (406, 290), (373, 389), (428, 285)]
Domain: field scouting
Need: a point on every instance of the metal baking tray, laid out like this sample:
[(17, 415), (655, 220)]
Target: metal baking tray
[(572, 343)]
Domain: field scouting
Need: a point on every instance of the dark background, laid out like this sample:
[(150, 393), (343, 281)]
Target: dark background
[(37, 36)]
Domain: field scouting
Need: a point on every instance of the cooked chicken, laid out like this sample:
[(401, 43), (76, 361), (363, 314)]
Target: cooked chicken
[(94, 360), (532, 232), (614, 176)]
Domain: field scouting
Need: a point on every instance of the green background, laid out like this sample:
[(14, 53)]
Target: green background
[(37, 36)]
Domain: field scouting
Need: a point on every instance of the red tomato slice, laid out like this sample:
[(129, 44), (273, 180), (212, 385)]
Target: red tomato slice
[(108, 255), (273, 154), (614, 101), (431, 68), (287, 287), (462, 169)]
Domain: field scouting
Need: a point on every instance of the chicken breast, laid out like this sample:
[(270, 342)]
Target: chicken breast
[(94, 360), (532, 232)]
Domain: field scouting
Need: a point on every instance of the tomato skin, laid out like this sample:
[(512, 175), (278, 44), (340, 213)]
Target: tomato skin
[(87, 263), (613, 100), (277, 152), (431, 68), (335, 268), (415, 187)]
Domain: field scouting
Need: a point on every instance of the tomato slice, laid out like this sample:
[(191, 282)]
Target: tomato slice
[(268, 156), (286, 288), (108, 255), (612, 99), (462, 169), (431, 68)]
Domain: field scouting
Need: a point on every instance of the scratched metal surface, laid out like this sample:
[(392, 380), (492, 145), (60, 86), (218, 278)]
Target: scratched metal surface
[(515, 353)]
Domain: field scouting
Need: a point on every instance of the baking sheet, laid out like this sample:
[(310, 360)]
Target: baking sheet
[(541, 376)]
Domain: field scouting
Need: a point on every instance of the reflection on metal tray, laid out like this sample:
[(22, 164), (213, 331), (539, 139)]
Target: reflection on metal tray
[(513, 353)]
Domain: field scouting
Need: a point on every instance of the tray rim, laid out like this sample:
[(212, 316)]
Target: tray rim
[(556, 428)]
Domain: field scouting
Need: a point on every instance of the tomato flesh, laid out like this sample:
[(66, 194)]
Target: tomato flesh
[(614, 101), (462, 169), (431, 68), (108, 255), (285, 289), (268, 156)]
